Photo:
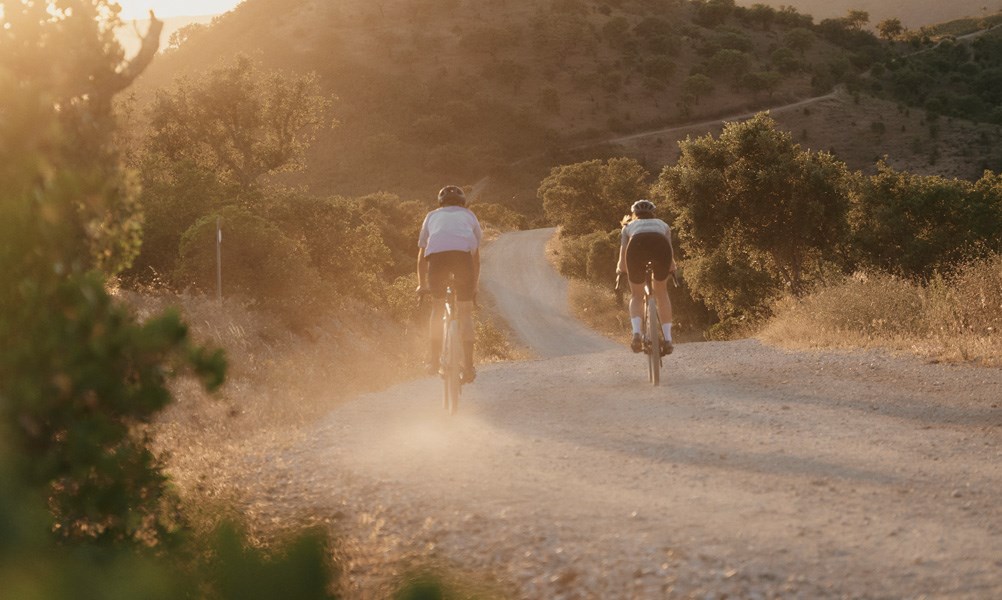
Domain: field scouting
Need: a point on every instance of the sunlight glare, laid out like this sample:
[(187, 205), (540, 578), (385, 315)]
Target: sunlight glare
[(140, 9)]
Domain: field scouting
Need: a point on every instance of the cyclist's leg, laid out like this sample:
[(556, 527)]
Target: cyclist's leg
[(636, 304), (463, 268), (437, 277), (664, 302), (637, 256), (664, 314), (661, 253)]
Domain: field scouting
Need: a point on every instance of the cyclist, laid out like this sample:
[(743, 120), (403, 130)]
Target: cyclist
[(449, 243), (644, 239)]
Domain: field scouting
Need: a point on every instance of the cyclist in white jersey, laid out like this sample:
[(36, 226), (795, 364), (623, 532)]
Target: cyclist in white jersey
[(647, 239), (449, 243)]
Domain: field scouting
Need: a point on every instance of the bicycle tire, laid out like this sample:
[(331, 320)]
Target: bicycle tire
[(654, 335), (443, 364), (453, 385)]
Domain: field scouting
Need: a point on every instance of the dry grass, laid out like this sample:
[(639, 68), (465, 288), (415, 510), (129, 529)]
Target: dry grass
[(956, 318), (277, 383), (598, 308), (227, 454)]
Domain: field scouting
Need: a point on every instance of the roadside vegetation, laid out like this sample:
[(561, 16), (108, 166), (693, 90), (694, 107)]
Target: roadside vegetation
[(112, 361), (768, 232), (954, 317), (108, 365)]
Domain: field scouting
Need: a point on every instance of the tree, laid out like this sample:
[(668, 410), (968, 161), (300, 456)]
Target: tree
[(730, 63), (182, 35), (762, 81), (78, 372), (659, 67), (239, 122), (785, 61), (210, 144), (799, 39), (710, 13), (752, 199), (762, 14), (592, 196), (857, 19), (916, 225), (694, 88), (889, 29), (66, 56)]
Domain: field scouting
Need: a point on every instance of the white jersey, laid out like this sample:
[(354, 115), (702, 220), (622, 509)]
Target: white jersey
[(645, 226), (450, 228)]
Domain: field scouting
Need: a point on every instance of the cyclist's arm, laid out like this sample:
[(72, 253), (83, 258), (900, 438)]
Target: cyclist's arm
[(671, 255), (621, 266), (422, 270), (476, 269)]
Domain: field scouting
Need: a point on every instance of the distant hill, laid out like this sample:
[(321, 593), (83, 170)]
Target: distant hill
[(912, 13), (129, 35), (435, 91)]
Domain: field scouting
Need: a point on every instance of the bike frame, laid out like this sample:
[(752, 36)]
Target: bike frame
[(651, 329), (452, 351)]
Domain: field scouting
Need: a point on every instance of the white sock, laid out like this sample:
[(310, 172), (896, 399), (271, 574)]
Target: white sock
[(635, 322), (666, 329)]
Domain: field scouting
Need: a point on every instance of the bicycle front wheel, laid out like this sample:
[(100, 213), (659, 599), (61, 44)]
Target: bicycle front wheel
[(654, 335)]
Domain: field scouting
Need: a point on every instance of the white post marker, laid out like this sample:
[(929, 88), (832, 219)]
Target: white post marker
[(219, 261)]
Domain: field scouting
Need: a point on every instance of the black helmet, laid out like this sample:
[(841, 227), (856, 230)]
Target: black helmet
[(451, 195), (642, 206)]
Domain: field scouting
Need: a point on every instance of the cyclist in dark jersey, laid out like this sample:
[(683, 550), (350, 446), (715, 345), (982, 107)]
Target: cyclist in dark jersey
[(644, 239), (449, 243)]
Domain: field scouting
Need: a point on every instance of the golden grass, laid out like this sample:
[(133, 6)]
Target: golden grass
[(955, 318), (597, 307), (279, 381)]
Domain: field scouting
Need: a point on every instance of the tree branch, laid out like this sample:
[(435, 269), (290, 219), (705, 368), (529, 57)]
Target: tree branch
[(136, 66)]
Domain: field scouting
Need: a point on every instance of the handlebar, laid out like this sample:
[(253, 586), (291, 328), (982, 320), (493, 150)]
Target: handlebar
[(619, 288)]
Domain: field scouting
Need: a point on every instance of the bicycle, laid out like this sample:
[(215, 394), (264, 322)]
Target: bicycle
[(651, 325), (451, 358), (651, 328)]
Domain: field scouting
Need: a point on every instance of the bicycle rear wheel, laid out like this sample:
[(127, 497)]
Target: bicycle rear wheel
[(654, 335), (454, 358)]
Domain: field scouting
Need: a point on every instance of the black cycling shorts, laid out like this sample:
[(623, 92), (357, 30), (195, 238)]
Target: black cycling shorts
[(442, 264), (646, 248)]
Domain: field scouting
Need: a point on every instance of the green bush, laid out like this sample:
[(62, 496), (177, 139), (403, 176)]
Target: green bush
[(258, 260), (498, 216), (592, 256), (915, 225), (756, 215), (592, 196)]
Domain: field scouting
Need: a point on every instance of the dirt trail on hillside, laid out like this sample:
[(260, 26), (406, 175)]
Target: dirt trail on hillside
[(532, 296), (751, 473)]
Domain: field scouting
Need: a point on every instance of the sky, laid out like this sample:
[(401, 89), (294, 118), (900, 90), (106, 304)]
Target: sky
[(140, 9)]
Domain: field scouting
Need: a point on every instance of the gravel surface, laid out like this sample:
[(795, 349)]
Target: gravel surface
[(752, 472)]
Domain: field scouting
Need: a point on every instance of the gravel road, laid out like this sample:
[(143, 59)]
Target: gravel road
[(752, 472)]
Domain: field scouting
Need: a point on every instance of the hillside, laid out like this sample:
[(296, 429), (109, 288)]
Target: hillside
[(130, 34), (912, 14), (430, 92)]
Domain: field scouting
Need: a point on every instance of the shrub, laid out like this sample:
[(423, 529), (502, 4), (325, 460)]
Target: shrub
[(258, 260), (592, 256), (954, 317), (498, 216), (915, 225)]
